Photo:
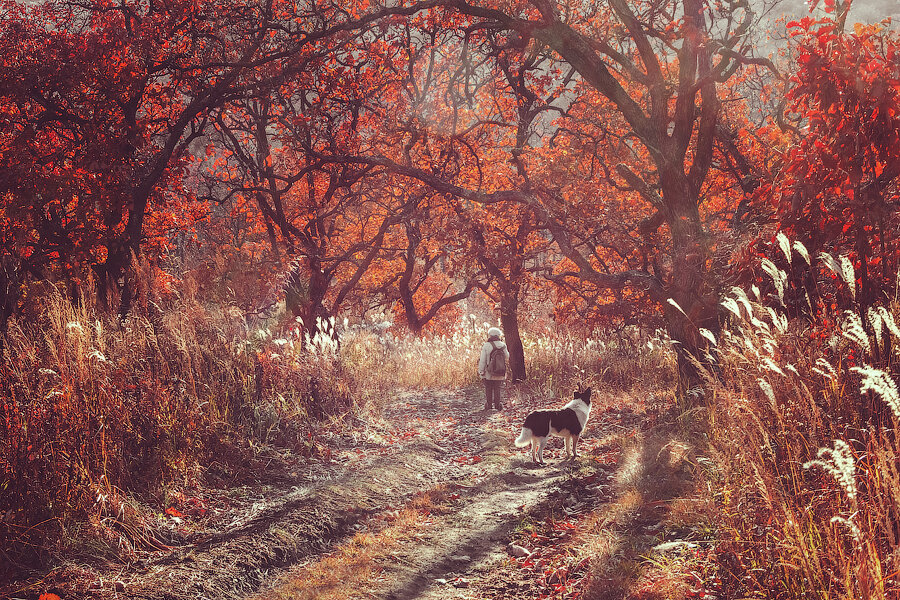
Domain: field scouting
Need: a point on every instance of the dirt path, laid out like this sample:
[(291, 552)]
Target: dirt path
[(467, 546), (460, 551), (439, 442), (468, 543)]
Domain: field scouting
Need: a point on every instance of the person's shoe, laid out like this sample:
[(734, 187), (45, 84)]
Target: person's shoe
[(499, 406)]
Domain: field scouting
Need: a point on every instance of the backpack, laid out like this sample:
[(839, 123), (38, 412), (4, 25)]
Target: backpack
[(496, 364)]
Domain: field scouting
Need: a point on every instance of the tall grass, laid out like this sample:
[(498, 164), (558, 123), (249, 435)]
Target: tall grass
[(555, 361), (803, 419), (91, 407), (634, 361)]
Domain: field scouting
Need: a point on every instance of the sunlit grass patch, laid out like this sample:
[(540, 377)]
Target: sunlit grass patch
[(351, 569)]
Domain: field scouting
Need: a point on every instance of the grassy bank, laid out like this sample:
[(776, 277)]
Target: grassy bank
[(96, 410), (803, 426)]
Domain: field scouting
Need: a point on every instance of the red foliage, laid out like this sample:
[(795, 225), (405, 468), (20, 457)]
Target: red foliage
[(838, 189)]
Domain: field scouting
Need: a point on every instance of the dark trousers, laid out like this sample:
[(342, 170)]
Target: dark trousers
[(493, 393)]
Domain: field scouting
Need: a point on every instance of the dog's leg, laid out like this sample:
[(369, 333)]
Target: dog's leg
[(568, 446), (574, 446), (534, 445), (541, 449)]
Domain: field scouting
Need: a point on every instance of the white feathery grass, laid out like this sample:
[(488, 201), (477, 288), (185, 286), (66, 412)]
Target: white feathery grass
[(876, 322), (766, 387), (779, 277), (802, 251), (709, 335), (761, 326), (824, 368), (754, 289), (771, 365), (831, 263), (779, 321), (848, 274), (843, 268), (852, 329), (731, 306), (675, 304), (887, 319), (838, 461), (325, 342), (852, 527), (834, 342), (882, 384), (741, 297), (785, 246), (749, 345)]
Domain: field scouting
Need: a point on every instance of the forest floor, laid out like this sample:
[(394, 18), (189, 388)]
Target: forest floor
[(431, 500)]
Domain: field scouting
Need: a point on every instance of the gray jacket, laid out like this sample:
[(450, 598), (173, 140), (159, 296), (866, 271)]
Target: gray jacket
[(483, 360)]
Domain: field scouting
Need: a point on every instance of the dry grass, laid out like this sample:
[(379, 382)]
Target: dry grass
[(636, 363), (806, 452), (93, 410), (555, 363), (351, 569)]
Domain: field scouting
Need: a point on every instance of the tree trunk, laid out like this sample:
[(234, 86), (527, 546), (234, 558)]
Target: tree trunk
[(509, 320), (306, 299), (405, 284), (690, 287), (11, 284), (409, 308), (114, 279)]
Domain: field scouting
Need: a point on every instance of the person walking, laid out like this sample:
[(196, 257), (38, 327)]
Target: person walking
[(492, 368)]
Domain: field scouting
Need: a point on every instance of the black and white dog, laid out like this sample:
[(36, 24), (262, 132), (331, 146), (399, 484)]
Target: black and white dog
[(567, 423)]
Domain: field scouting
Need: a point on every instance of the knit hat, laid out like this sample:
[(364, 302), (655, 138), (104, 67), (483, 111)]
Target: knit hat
[(494, 332)]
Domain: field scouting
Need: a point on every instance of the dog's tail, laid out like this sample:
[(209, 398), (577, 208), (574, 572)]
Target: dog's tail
[(524, 438)]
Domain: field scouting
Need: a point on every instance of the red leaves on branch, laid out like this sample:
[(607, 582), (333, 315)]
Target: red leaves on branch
[(838, 187)]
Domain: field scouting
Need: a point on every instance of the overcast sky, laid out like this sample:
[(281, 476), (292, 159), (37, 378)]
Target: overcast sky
[(770, 32), (866, 11)]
